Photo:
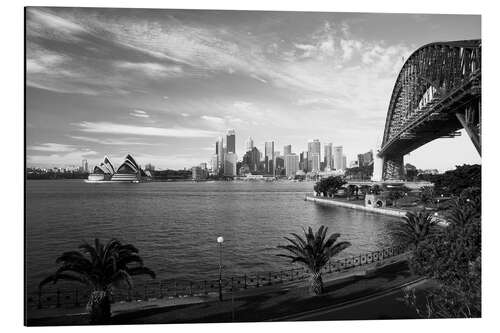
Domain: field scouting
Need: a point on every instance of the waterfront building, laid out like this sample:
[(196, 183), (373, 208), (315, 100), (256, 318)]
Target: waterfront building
[(328, 156), (128, 171), (199, 173), (313, 147), (287, 150), (230, 162), (269, 157), (249, 144), (338, 153), (354, 164), (291, 165), (231, 141)]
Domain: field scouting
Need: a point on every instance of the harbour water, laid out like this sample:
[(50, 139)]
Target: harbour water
[(175, 224)]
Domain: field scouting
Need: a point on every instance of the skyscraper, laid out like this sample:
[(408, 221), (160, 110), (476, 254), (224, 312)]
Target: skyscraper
[(303, 161), (252, 159), (85, 166), (231, 141), (230, 164), (313, 147), (338, 153), (344, 162), (365, 159), (219, 151), (269, 156), (315, 162), (328, 156), (291, 164), (287, 150), (249, 144)]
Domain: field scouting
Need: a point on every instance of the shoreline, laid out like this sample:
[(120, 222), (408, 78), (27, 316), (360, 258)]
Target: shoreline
[(332, 202)]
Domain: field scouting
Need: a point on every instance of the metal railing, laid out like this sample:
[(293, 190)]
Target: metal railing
[(164, 289)]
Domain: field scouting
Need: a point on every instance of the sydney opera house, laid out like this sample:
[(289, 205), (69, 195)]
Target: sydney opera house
[(128, 171)]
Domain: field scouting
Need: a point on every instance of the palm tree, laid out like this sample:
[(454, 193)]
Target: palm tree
[(104, 268), (313, 251), (415, 227)]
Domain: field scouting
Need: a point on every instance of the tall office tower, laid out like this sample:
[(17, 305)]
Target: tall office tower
[(249, 144), (328, 156), (313, 147), (219, 150), (315, 162), (252, 159), (344, 162), (231, 141), (269, 156), (213, 164), (291, 164), (287, 150), (365, 159), (303, 162), (230, 164), (338, 153), (85, 166)]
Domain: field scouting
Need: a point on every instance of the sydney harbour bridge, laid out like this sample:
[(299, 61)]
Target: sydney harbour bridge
[(437, 93)]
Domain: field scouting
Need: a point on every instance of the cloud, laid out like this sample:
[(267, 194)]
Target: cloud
[(151, 69), (59, 154), (52, 147), (113, 128), (213, 119), (139, 114), (43, 23), (113, 142)]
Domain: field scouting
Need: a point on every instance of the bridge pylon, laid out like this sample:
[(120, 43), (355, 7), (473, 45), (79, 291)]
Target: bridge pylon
[(393, 168)]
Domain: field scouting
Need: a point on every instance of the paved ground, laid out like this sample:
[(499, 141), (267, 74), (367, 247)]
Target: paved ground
[(289, 302)]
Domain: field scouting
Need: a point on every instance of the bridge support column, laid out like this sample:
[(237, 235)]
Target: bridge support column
[(471, 122), (393, 168)]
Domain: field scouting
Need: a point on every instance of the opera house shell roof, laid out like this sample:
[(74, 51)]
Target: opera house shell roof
[(128, 171)]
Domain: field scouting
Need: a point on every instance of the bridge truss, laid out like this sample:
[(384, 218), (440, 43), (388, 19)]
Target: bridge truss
[(437, 92)]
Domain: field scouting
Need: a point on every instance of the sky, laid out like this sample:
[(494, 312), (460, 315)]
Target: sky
[(162, 85)]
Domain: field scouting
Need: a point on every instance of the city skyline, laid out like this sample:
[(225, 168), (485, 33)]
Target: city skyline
[(161, 84)]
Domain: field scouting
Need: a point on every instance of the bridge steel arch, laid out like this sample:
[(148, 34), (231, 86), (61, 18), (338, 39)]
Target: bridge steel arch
[(437, 92)]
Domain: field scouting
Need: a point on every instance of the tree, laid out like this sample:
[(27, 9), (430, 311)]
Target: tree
[(395, 195), (427, 195), (101, 268), (455, 181), (415, 228), (452, 258), (313, 252), (329, 186)]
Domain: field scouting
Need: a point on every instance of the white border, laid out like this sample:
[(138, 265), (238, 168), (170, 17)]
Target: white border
[(13, 151)]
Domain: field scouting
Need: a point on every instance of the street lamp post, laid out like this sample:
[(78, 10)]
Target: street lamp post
[(220, 240)]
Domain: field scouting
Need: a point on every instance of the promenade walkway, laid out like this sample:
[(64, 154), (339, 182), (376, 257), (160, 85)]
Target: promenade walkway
[(267, 303)]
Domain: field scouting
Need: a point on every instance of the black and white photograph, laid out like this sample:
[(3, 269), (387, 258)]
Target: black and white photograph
[(194, 166)]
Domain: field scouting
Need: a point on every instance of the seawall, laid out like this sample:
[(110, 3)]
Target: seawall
[(333, 202)]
